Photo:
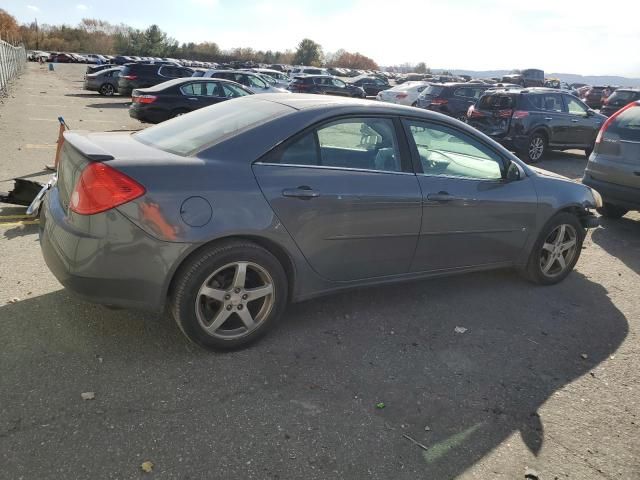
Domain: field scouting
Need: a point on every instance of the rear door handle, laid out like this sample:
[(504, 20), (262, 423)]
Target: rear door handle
[(441, 197), (574, 120), (303, 192), (548, 118)]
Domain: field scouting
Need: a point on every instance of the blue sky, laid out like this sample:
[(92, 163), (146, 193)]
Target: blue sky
[(556, 35)]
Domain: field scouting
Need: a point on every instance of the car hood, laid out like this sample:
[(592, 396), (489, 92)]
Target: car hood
[(546, 173)]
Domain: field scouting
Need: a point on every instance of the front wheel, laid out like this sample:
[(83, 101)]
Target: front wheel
[(107, 89), (556, 250), (229, 295)]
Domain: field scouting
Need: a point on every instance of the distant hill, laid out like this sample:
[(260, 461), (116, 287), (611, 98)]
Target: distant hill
[(565, 77)]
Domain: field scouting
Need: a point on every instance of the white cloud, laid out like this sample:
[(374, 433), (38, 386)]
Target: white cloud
[(33, 8), (206, 3), (82, 7)]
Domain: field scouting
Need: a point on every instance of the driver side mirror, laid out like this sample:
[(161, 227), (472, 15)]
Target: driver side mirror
[(591, 112), (514, 172)]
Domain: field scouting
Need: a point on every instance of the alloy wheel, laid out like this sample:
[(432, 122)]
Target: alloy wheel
[(558, 250), (536, 148), (108, 89), (235, 300)]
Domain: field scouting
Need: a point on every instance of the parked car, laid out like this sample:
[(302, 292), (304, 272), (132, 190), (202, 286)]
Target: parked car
[(307, 71), (372, 85), (404, 94), (182, 95), (530, 77), (282, 80), (614, 166), (98, 68), (122, 59), (453, 99), (143, 75), (325, 85), (594, 96), (95, 58), (228, 213), (531, 121), (250, 80), (104, 82), (62, 58), (618, 99)]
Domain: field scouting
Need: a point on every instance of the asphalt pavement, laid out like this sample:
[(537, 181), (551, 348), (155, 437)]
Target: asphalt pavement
[(373, 383)]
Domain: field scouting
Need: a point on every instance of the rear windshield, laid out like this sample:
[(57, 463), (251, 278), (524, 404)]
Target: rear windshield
[(622, 96), (432, 90), (496, 102), (188, 134), (627, 124)]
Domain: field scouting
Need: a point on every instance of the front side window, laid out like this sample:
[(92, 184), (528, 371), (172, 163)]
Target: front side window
[(447, 152), (575, 106), (355, 143), (256, 82), (339, 83), (231, 91)]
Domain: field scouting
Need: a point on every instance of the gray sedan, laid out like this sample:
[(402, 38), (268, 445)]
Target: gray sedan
[(228, 213), (104, 82)]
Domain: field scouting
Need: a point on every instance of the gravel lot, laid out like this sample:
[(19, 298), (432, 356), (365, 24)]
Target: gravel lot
[(544, 378)]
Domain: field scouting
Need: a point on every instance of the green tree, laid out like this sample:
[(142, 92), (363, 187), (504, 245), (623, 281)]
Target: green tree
[(308, 53), (422, 68)]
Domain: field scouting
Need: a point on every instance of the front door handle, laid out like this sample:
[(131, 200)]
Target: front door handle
[(574, 120), (303, 192), (548, 119), (441, 197), (192, 98)]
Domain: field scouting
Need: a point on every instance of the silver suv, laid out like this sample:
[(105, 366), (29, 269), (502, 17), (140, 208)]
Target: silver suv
[(614, 166)]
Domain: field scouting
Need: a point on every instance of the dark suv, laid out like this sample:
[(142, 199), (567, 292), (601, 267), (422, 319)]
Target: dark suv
[(453, 99), (143, 75), (614, 167), (595, 96), (618, 99), (372, 85), (324, 84), (530, 121)]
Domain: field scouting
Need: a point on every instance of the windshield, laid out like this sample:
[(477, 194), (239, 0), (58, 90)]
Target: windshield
[(620, 97), (188, 134)]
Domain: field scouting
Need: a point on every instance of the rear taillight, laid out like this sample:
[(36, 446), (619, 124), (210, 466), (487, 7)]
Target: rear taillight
[(101, 188), (439, 101), (518, 114), (401, 95), (130, 77), (608, 121), (144, 98)]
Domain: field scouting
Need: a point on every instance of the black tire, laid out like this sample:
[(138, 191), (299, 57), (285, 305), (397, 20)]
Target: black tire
[(187, 304), (587, 152), (462, 117), (536, 142), (614, 212), (107, 90), (414, 104), (533, 271)]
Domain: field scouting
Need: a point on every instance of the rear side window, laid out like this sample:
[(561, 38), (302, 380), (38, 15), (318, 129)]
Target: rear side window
[(433, 90), (622, 97), (188, 134), (627, 124)]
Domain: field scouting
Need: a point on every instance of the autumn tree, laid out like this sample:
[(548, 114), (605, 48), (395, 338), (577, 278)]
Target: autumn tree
[(345, 59), (9, 29)]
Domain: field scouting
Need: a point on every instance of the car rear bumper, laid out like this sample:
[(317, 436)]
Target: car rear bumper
[(626, 197), (148, 115), (118, 265)]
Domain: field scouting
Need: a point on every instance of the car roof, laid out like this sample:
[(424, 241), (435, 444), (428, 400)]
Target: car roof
[(303, 101), (179, 81)]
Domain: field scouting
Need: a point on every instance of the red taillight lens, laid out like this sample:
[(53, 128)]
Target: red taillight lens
[(101, 188), (608, 121), (401, 95), (144, 98), (130, 77), (518, 114), (439, 101)]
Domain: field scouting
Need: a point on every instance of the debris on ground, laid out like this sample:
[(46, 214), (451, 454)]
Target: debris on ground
[(427, 428), (14, 300), (531, 474), (88, 395), (380, 405), (415, 442), (147, 466), (584, 356), (459, 330)]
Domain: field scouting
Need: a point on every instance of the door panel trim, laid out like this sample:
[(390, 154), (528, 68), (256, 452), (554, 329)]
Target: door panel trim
[(325, 167), (380, 235)]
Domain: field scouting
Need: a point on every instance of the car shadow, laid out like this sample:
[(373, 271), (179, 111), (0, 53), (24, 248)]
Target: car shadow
[(83, 95), (121, 105), (567, 163), (621, 239), (309, 390)]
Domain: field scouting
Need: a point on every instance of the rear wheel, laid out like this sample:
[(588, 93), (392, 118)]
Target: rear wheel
[(107, 89), (229, 295), (462, 117), (536, 148), (556, 250), (609, 210)]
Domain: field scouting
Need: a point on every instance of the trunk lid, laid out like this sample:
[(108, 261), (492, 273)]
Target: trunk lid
[(493, 112)]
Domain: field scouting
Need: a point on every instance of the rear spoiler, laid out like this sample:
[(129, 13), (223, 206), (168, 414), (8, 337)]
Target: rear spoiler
[(78, 140)]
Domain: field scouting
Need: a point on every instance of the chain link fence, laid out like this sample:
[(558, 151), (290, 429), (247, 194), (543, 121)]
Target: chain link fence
[(12, 62)]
